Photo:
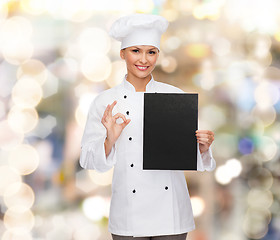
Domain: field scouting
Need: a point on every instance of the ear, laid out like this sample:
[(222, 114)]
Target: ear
[(122, 53)]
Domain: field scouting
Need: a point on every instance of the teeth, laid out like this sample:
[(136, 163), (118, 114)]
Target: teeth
[(142, 68)]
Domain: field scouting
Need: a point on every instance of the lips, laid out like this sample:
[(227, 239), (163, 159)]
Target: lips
[(142, 68)]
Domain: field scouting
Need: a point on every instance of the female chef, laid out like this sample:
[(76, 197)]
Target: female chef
[(145, 204)]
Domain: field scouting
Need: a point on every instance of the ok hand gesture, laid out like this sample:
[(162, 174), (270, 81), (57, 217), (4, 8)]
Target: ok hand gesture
[(113, 129)]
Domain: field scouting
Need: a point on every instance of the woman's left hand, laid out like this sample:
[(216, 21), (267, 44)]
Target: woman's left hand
[(205, 139)]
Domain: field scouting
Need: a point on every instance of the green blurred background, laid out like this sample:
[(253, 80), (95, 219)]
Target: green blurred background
[(56, 56)]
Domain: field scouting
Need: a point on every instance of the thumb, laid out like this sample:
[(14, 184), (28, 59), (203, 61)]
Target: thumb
[(124, 124)]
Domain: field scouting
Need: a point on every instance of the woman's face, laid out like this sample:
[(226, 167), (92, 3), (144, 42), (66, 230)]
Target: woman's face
[(140, 60)]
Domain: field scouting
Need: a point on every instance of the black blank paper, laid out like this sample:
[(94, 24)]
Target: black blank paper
[(170, 122)]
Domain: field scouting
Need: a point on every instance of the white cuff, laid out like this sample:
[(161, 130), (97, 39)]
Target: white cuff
[(205, 161), (93, 156)]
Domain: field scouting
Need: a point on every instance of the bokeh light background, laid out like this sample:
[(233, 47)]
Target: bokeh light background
[(56, 56)]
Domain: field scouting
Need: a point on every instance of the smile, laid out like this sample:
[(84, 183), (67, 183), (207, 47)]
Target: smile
[(142, 68)]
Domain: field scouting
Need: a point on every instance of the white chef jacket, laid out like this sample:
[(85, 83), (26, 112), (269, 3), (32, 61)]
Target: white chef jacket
[(144, 202)]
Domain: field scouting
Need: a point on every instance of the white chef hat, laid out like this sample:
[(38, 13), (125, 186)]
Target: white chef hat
[(139, 29)]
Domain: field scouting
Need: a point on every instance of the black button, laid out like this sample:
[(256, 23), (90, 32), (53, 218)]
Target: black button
[(132, 165), (134, 191), (125, 96), (127, 113), (130, 138), (166, 188)]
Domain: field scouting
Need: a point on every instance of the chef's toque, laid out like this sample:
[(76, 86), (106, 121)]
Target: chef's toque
[(139, 29)]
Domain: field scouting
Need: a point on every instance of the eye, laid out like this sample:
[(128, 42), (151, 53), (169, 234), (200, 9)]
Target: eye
[(135, 50), (152, 52)]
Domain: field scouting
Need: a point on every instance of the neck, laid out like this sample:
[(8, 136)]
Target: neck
[(139, 83)]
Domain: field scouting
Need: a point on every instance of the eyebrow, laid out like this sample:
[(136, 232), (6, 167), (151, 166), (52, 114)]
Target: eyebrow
[(154, 48)]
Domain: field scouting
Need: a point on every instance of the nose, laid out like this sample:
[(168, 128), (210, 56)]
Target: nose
[(143, 59)]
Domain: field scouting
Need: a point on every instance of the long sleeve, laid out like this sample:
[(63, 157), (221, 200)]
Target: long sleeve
[(205, 161), (92, 148)]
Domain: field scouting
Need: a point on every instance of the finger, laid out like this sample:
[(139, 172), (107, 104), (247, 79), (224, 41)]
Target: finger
[(205, 132), (124, 124), (203, 135), (204, 141), (103, 122), (210, 137), (111, 108), (209, 140), (105, 114), (119, 115), (104, 119)]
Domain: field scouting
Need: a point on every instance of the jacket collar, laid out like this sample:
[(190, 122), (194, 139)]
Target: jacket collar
[(128, 86)]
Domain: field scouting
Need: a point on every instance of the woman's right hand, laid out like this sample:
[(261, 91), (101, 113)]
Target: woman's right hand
[(114, 129)]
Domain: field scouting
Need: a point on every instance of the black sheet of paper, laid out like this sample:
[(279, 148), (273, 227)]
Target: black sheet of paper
[(170, 122)]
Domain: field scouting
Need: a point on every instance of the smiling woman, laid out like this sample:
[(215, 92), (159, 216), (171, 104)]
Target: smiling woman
[(140, 62), (145, 204)]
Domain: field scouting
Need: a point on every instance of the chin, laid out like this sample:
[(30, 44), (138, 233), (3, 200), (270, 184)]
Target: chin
[(143, 76)]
